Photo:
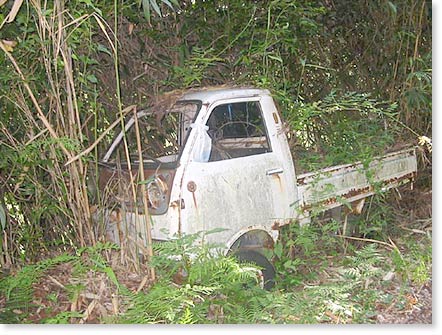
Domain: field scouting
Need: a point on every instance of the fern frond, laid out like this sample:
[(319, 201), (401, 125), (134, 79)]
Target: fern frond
[(18, 290)]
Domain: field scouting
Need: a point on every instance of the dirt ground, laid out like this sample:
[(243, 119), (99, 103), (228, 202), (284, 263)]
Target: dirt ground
[(418, 310), (413, 211)]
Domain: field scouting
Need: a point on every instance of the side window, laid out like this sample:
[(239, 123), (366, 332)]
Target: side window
[(237, 130)]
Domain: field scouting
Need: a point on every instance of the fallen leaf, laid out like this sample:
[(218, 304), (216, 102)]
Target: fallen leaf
[(389, 276), (9, 45), (131, 28)]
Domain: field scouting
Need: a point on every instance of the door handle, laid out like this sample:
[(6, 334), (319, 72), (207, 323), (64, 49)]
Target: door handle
[(274, 171)]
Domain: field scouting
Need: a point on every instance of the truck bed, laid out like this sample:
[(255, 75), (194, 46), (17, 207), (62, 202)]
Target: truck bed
[(344, 184)]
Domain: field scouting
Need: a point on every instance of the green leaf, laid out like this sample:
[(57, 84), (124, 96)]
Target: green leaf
[(175, 2), (102, 48), (111, 275), (277, 58), (278, 250), (2, 217), (89, 3), (146, 181), (392, 7), (92, 78), (167, 2), (146, 9), (216, 230), (155, 7), (62, 318)]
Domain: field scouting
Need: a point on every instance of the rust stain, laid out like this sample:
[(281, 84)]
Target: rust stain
[(279, 181), (179, 223), (354, 192), (275, 225), (410, 176), (179, 210), (191, 186), (301, 181), (194, 200)]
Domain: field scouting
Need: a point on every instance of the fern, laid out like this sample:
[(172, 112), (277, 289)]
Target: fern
[(368, 253), (63, 318), (164, 303), (364, 264), (18, 290), (187, 317), (210, 281)]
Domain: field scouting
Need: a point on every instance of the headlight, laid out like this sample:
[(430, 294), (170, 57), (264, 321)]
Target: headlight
[(157, 195)]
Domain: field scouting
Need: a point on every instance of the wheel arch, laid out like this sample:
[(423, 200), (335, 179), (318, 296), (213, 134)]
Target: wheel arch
[(252, 238)]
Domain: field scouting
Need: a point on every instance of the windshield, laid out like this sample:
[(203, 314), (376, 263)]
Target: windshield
[(162, 135)]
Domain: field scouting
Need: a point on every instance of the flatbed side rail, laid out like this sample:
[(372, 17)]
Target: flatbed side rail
[(334, 186)]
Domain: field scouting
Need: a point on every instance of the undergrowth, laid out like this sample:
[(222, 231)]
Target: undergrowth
[(344, 281), (197, 284), (341, 128), (320, 279), (17, 290)]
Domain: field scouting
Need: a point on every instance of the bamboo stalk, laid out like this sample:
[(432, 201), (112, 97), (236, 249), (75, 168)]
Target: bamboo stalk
[(120, 107), (146, 215), (388, 245), (40, 113)]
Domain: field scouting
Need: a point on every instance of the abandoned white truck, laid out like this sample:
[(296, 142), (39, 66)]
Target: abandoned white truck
[(219, 158)]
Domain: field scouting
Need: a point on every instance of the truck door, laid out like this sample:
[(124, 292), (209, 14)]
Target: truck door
[(240, 186)]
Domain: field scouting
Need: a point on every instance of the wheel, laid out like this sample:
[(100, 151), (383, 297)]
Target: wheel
[(267, 272)]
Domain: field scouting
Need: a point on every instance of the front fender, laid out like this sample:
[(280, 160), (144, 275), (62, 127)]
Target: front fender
[(252, 238)]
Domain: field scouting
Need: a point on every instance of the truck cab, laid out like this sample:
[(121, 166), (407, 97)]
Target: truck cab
[(219, 158)]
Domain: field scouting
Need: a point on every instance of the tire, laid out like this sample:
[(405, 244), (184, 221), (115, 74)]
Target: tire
[(267, 270)]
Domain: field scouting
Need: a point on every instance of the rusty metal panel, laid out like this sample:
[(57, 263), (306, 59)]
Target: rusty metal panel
[(334, 186)]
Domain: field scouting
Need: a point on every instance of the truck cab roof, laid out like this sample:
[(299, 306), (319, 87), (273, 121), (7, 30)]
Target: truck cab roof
[(210, 95)]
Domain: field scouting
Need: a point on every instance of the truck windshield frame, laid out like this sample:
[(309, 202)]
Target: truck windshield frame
[(163, 135)]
